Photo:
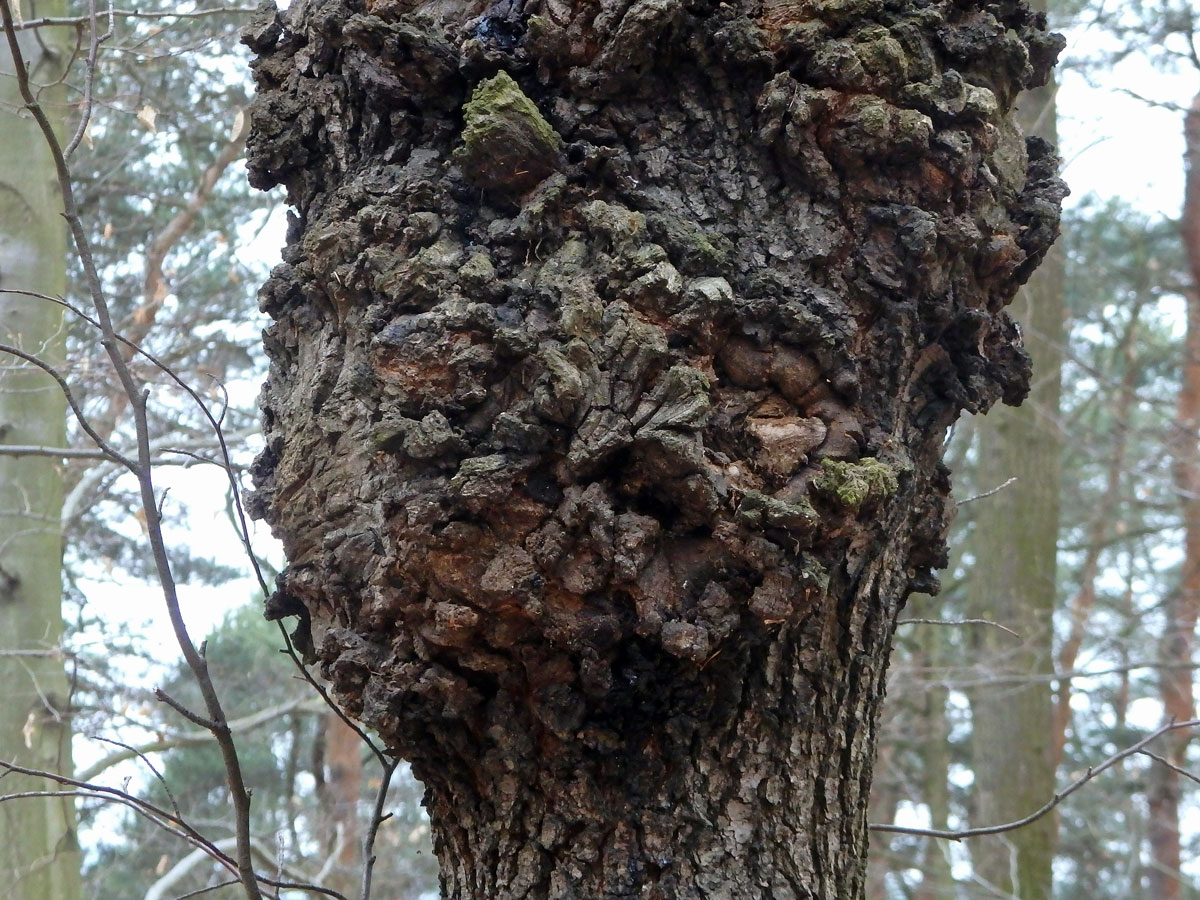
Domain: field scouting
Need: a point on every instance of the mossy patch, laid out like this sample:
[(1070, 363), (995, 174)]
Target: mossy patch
[(856, 484), (507, 144)]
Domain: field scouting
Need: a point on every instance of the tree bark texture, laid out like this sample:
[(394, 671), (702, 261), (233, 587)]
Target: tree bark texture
[(614, 347), (39, 852)]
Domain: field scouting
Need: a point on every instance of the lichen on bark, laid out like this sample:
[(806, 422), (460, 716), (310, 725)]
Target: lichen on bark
[(604, 467)]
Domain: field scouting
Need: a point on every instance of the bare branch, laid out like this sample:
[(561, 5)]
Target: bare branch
[(56, 452), (196, 738), (160, 818), (153, 523), (958, 622), (1054, 801), (154, 287), (1172, 107), (159, 889), (226, 461), (290, 650), (213, 726), (89, 81), (76, 21), (1179, 770), (111, 452), (946, 676), (997, 489), (207, 890), (377, 818)]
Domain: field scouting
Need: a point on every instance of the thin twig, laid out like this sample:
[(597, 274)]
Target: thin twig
[(243, 526), (157, 815), (943, 674), (76, 410), (1054, 801), (133, 751), (57, 452), (958, 622), (163, 818), (153, 523), (89, 82), (993, 491), (196, 738), (377, 819), (207, 890), (1170, 765), (290, 650), (192, 717)]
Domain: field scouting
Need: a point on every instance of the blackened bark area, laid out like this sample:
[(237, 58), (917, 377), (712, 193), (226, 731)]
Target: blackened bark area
[(613, 351)]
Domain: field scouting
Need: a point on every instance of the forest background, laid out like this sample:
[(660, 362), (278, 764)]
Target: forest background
[(182, 242)]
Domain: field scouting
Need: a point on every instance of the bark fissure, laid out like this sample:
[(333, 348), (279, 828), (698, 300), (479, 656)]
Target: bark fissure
[(613, 350)]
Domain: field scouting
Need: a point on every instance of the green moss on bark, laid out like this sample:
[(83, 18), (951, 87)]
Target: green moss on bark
[(507, 143), (856, 484)]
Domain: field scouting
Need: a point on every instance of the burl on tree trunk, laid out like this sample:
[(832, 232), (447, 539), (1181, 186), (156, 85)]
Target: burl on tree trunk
[(612, 356)]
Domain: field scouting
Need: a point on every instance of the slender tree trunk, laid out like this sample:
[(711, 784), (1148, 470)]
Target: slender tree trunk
[(1084, 601), (613, 352), (937, 880), (39, 856), (340, 791), (885, 797), (1013, 582), (1182, 607)]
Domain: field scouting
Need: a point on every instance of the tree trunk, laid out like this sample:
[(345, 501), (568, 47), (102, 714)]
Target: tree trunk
[(1082, 604), (613, 352), (339, 790), (39, 856), (1183, 606), (937, 879), (1013, 582)]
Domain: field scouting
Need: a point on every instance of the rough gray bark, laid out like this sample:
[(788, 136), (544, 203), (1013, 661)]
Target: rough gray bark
[(613, 351)]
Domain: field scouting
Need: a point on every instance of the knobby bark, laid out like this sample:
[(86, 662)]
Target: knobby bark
[(614, 347)]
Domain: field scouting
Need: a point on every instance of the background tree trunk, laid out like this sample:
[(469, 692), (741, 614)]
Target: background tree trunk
[(1013, 582), (614, 348), (339, 792), (937, 879), (39, 856), (1183, 605)]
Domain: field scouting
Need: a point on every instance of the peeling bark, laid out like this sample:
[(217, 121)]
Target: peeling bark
[(614, 346)]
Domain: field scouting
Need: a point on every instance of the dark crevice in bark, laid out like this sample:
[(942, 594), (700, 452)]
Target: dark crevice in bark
[(614, 346)]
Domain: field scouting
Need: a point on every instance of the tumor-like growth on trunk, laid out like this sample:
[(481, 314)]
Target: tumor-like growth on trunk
[(613, 350)]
